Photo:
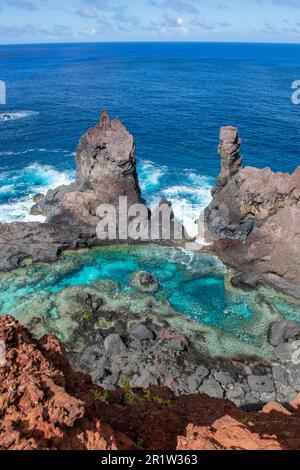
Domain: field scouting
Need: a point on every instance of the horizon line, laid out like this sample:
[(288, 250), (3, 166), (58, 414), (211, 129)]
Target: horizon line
[(148, 42)]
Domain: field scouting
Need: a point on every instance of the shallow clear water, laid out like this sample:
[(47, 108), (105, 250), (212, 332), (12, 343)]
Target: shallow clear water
[(194, 284)]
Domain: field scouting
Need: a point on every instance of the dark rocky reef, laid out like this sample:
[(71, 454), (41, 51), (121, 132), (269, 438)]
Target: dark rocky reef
[(110, 345), (254, 220)]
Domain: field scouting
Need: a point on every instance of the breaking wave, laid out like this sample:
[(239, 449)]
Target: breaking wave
[(17, 189), (189, 196), (13, 116)]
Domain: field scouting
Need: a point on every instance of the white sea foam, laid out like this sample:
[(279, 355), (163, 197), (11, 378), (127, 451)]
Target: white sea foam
[(189, 198), (24, 185), (150, 175), (38, 150), (14, 115)]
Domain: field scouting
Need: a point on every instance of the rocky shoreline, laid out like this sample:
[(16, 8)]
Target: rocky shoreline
[(114, 347), (253, 223), (120, 337)]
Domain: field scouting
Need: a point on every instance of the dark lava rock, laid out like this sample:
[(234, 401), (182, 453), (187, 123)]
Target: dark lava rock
[(176, 345), (212, 388), (280, 332), (253, 220), (196, 379), (236, 393), (114, 345), (245, 281), (141, 333), (261, 384)]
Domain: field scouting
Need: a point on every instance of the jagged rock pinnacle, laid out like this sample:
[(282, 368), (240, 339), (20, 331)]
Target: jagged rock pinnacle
[(254, 219), (229, 150)]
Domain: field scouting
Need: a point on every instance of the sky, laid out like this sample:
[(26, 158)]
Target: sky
[(45, 21)]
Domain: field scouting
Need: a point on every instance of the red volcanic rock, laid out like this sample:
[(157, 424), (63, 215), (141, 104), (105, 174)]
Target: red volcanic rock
[(39, 406), (45, 405), (275, 407), (226, 434)]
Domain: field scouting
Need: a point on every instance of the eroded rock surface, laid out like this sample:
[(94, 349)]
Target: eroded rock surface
[(45, 405), (254, 220), (106, 170)]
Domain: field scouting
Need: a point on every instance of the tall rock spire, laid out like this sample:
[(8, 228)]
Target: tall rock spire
[(231, 159), (254, 219), (106, 162)]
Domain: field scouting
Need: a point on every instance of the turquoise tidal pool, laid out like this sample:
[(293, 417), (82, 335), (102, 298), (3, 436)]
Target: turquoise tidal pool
[(197, 286)]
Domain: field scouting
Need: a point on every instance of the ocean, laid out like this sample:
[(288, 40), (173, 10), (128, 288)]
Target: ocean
[(173, 97)]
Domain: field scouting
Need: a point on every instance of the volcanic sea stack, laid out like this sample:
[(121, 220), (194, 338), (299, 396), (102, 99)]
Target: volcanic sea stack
[(254, 220), (105, 170)]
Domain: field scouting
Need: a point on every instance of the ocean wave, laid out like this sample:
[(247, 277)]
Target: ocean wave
[(36, 150), (18, 188), (189, 198), (194, 264), (150, 175), (14, 115)]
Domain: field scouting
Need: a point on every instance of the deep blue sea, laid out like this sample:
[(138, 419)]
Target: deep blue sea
[(172, 96)]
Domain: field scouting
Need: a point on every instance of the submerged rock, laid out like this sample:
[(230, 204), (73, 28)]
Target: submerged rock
[(254, 220), (105, 172), (144, 282)]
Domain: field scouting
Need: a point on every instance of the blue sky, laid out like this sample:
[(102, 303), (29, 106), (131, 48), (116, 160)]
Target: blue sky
[(34, 21)]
